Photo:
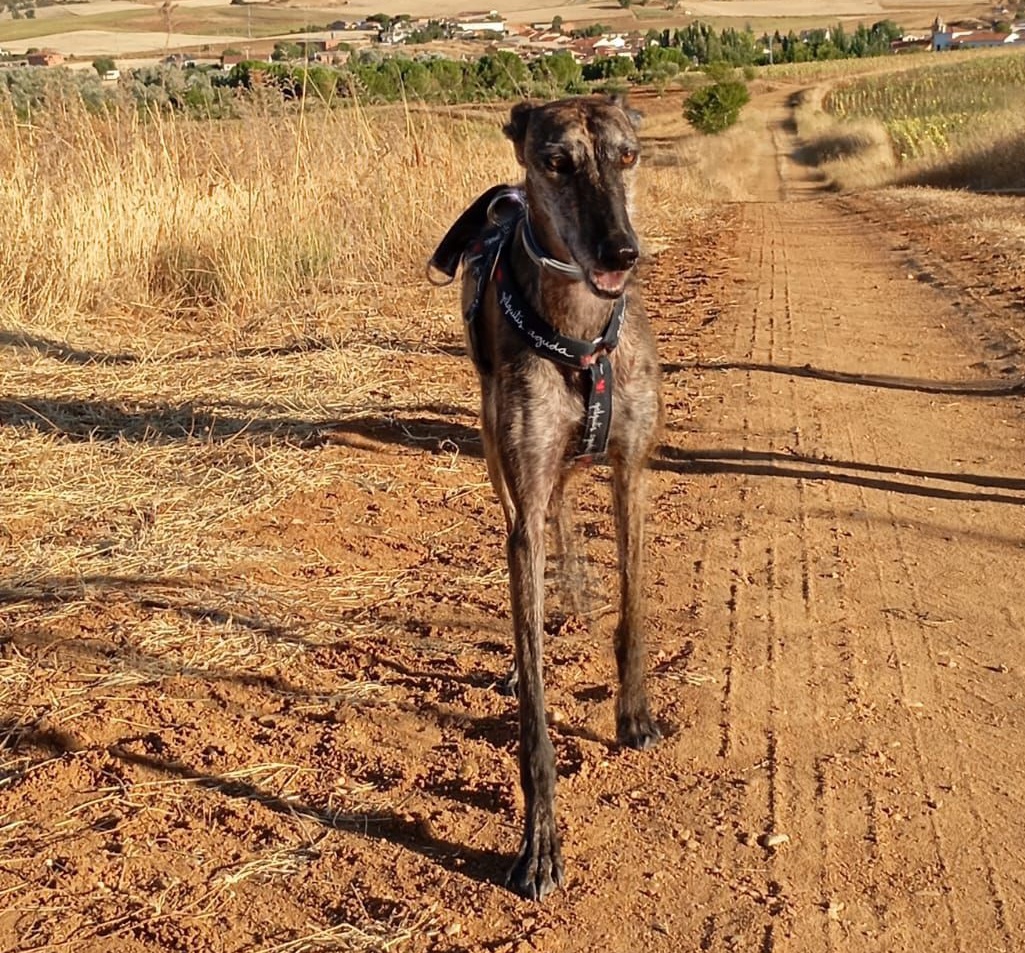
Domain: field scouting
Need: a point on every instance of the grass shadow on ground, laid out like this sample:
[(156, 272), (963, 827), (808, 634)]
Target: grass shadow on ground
[(61, 350), (390, 826), (428, 427)]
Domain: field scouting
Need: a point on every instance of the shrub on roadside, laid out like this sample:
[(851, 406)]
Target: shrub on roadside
[(716, 107)]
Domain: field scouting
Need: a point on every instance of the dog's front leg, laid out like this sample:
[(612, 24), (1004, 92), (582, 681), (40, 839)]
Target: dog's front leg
[(634, 725), (538, 867)]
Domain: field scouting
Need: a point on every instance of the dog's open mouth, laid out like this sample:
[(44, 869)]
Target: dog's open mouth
[(609, 283)]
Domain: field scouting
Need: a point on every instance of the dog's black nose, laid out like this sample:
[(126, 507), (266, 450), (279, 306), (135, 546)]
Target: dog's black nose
[(618, 254)]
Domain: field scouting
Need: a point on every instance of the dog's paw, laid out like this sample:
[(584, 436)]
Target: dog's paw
[(538, 868), (638, 731)]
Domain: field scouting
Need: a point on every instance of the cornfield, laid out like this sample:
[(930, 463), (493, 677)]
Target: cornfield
[(937, 107)]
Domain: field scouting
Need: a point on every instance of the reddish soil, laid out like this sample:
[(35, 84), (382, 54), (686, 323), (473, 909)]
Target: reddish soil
[(835, 569)]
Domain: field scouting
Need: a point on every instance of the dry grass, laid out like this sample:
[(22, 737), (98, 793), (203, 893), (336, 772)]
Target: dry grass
[(849, 155), (185, 304), (976, 228), (202, 326), (163, 215), (686, 170), (991, 164)]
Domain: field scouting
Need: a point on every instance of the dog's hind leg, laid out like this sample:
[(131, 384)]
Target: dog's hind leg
[(634, 724), (571, 575), (537, 870), (496, 473)]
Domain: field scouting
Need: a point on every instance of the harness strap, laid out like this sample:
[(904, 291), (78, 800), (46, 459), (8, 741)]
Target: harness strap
[(590, 358), (546, 340), (483, 236), (480, 260)]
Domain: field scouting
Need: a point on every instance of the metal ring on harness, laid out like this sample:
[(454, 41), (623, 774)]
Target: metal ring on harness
[(515, 196)]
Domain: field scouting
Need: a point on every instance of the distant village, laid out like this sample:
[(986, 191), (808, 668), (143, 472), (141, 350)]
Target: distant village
[(490, 32), (487, 32), (963, 35)]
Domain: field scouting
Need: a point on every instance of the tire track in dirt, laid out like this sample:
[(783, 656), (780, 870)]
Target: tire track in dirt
[(915, 663), (894, 835)]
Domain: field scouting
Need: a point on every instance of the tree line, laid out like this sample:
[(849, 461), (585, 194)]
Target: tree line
[(373, 77), (702, 44)]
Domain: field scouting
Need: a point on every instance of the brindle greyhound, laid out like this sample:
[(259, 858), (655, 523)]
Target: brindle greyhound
[(556, 325)]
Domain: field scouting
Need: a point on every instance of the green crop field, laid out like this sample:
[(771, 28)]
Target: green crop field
[(940, 105)]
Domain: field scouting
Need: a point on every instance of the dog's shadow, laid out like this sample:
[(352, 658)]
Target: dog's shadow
[(393, 827)]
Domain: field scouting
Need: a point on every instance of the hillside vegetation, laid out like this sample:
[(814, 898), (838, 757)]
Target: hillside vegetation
[(941, 122), (939, 106)]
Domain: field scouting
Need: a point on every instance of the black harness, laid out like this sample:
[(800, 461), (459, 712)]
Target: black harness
[(486, 259)]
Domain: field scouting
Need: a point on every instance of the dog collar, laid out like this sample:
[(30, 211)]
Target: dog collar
[(490, 211), (518, 197), (538, 257)]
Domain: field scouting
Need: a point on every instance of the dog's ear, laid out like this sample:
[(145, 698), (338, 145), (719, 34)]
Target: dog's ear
[(634, 115), (460, 236), (516, 128)]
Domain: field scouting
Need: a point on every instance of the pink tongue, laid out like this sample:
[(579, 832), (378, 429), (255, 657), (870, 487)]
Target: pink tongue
[(609, 280)]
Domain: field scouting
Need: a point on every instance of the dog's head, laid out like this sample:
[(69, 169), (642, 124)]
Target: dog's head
[(580, 155)]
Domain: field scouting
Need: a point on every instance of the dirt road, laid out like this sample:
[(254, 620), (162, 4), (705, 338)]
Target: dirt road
[(835, 577), (837, 558), (858, 490)]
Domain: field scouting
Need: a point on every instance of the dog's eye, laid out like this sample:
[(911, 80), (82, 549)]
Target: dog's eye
[(628, 157), (559, 164)]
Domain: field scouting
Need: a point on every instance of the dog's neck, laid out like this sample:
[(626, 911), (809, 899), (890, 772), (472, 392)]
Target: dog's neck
[(567, 304)]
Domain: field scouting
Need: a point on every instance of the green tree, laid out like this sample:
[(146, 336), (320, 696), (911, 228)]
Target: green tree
[(592, 29), (383, 18), (321, 82), (449, 79), (556, 74), (285, 51), (717, 106), (434, 30), (610, 68), (502, 75), (103, 64)]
